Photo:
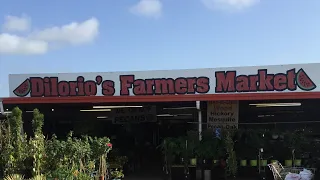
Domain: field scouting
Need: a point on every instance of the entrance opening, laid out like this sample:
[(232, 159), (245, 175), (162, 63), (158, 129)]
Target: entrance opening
[(138, 139), (284, 116), (135, 138)]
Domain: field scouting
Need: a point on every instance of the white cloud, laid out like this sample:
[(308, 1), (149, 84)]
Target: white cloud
[(15, 23), (43, 40), (147, 8), (229, 5), (13, 44), (73, 33)]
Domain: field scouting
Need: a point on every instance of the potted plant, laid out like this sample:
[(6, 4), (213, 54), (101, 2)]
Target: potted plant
[(253, 143), (289, 138), (241, 148), (256, 140), (180, 151), (294, 142), (192, 141), (116, 174), (169, 148), (207, 148), (100, 148), (298, 147)]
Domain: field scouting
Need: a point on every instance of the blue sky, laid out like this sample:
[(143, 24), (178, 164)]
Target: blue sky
[(129, 35)]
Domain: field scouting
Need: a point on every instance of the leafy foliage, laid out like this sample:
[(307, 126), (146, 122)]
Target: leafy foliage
[(37, 144), (210, 146), (116, 174), (14, 143), (73, 158), (232, 166), (14, 177)]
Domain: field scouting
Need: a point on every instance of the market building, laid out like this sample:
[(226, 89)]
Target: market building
[(169, 102)]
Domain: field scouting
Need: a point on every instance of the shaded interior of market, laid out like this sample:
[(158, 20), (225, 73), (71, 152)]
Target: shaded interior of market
[(139, 141)]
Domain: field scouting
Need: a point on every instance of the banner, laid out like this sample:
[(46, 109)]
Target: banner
[(261, 79), (223, 114)]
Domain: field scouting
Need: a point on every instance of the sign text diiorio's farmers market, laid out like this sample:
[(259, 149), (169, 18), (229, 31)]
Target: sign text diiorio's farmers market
[(206, 81)]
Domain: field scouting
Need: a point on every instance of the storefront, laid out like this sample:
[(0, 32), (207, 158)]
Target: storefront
[(226, 97), (297, 81), (170, 102), (281, 82)]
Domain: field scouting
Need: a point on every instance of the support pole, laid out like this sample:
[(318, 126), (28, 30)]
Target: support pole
[(1, 107), (199, 119)]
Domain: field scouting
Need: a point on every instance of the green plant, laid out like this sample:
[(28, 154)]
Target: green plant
[(252, 141), (102, 172), (116, 174), (294, 142), (232, 166), (118, 161), (169, 148), (14, 177), (63, 172), (70, 159), (55, 156), (6, 147), (83, 176), (16, 151), (100, 148), (209, 146), (77, 155), (192, 142), (241, 144), (39, 177), (37, 143)]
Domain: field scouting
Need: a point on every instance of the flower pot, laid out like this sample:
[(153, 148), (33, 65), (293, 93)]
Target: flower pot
[(243, 163), (207, 175), (198, 174), (297, 162), (264, 163), (253, 163), (273, 161), (193, 161), (101, 178), (288, 162)]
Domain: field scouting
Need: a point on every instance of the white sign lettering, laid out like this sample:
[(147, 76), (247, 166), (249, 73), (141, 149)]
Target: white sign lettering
[(134, 115)]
